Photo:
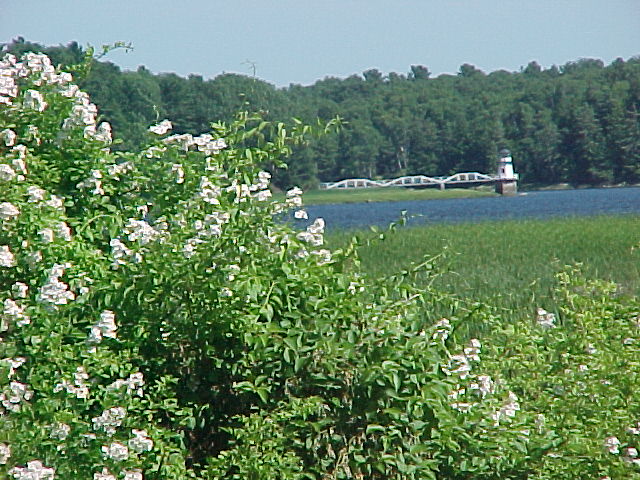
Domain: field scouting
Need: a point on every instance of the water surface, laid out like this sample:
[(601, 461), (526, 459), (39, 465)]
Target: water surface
[(546, 204)]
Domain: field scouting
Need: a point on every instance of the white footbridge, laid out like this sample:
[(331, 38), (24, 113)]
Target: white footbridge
[(414, 181)]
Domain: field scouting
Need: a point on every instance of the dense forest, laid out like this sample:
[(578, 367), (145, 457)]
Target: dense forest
[(577, 123)]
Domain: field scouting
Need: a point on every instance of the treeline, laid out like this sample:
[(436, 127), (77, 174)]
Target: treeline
[(578, 123)]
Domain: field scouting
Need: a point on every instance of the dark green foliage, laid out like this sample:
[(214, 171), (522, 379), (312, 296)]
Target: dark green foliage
[(578, 123)]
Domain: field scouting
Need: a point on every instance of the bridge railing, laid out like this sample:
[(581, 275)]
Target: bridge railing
[(412, 180)]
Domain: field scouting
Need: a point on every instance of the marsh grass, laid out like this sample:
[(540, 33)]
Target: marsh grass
[(389, 194), (511, 265)]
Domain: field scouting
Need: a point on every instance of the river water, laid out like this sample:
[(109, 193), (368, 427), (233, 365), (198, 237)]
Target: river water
[(545, 204)]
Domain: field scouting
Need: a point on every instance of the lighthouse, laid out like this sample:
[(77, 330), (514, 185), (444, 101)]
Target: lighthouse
[(506, 179)]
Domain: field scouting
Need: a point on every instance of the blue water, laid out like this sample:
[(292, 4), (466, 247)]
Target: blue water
[(547, 204)]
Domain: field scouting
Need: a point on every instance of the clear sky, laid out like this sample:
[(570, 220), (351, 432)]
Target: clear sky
[(301, 41)]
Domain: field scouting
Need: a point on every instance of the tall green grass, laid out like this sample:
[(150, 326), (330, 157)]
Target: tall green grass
[(388, 194), (511, 264)]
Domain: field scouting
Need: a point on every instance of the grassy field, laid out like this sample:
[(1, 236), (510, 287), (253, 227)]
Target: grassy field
[(511, 264), (316, 197)]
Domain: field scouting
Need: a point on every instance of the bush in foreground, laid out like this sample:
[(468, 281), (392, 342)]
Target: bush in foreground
[(160, 320)]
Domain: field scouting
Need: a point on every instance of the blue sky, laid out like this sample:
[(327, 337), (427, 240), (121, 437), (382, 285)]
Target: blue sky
[(301, 41)]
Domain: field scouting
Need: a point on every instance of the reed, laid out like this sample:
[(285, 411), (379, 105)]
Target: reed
[(389, 194), (510, 264)]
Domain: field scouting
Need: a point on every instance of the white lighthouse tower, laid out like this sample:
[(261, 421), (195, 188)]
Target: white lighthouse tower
[(506, 179)]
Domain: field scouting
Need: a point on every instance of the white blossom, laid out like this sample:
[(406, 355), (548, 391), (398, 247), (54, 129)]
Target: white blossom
[(104, 475), (209, 192), (106, 327), (140, 442), (179, 171), (59, 431), (324, 256), (78, 388), (116, 451), (13, 397), (19, 290), (458, 365), (34, 470), (443, 329), (6, 257), (7, 173), (109, 420), (472, 351), (8, 211), (36, 194), (15, 313), (5, 453), (301, 214), (140, 231), (55, 292), (14, 364), (119, 251), (508, 409), (46, 234), (63, 231), (34, 100), (8, 136), (612, 445), (134, 384), (132, 475), (161, 128), (55, 202), (545, 319)]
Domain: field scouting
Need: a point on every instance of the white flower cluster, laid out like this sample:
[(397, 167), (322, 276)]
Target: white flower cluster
[(140, 442), (61, 229), (14, 313), (630, 455), (209, 226), (8, 211), (33, 100), (545, 319), (443, 329), (7, 173), (161, 128), (6, 257), (314, 234), (294, 197), (104, 475), (13, 364), (612, 445), (31, 64), (460, 364), (55, 292), (93, 182), (508, 409), (106, 327), (34, 470), (14, 396), (118, 169), (109, 420), (83, 115), (121, 253), (59, 431), (209, 192), (140, 231), (78, 388), (116, 451), (178, 169), (8, 136), (5, 453), (134, 384)]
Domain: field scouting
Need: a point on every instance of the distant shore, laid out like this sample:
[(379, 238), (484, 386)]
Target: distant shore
[(369, 195), (398, 194)]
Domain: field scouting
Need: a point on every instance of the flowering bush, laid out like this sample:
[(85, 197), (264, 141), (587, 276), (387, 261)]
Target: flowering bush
[(160, 319)]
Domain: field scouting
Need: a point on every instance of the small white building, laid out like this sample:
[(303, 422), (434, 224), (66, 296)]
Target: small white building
[(506, 178)]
